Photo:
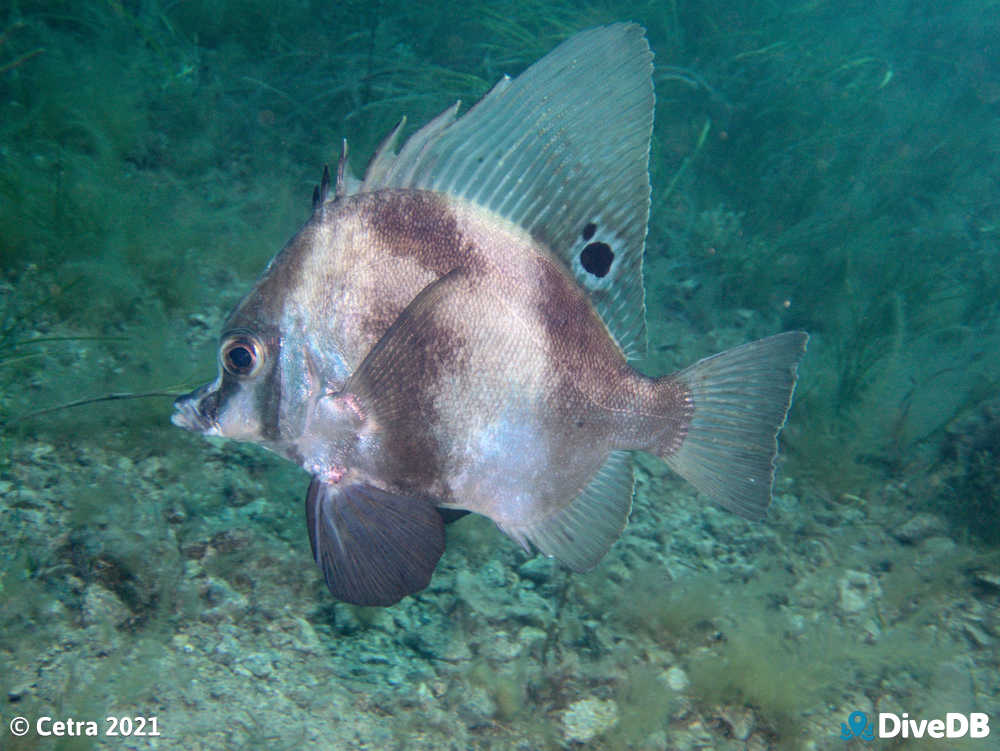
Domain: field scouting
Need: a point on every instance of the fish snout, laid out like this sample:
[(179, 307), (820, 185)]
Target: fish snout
[(197, 411)]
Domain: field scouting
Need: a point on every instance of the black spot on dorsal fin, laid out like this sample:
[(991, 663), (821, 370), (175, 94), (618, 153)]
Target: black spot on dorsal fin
[(596, 258)]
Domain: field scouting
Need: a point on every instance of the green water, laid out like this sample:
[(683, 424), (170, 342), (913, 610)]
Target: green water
[(829, 166)]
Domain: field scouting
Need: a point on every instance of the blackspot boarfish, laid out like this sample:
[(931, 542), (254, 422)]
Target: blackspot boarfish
[(454, 332)]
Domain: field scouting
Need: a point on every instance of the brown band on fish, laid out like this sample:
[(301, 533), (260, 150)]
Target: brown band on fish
[(419, 225), (401, 378), (270, 396), (578, 338), (429, 365)]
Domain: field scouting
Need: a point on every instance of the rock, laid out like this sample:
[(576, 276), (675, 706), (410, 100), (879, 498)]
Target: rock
[(871, 630), (227, 650), (258, 664), (532, 608), (500, 647), (529, 635), (588, 718), (796, 624), (350, 619), (427, 631), (18, 692), (305, 638), (677, 679), (538, 569), (988, 579), (494, 574), (102, 606), (132, 565), (436, 643), (919, 528), (976, 635), (491, 595), (857, 591), (741, 721), (225, 603), (478, 708), (936, 547), (693, 737), (480, 598)]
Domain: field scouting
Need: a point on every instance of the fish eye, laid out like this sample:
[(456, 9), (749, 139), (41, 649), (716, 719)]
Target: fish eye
[(241, 355)]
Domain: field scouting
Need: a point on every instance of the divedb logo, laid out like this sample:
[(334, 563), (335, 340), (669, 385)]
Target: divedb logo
[(954, 725)]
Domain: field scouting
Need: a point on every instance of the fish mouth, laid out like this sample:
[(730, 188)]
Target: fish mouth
[(197, 411)]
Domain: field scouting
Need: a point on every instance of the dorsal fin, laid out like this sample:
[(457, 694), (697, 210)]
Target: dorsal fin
[(347, 184), (322, 191), (343, 172), (563, 151)]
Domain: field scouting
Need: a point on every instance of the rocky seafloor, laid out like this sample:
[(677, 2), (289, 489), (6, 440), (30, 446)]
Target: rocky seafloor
[(148, 572), (172, 578)]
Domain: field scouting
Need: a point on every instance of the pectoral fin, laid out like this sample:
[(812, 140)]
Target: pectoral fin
[(373, 547), (401, 372)]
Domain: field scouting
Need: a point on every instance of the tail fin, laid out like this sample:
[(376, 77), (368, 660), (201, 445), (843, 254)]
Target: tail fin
[(740, 399)]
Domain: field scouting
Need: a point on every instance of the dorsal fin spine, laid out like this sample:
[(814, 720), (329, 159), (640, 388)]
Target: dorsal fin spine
[(341, 167)]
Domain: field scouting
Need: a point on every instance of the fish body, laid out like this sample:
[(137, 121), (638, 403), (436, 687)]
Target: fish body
[(454, 332)]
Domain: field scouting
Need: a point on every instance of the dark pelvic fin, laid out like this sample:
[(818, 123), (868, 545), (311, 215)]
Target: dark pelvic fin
[(739, 399), (374, 547)]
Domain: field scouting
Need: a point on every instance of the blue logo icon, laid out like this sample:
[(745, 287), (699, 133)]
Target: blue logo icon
[(859, 727)]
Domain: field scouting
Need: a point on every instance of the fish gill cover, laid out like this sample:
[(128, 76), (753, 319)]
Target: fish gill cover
[(824, 167)]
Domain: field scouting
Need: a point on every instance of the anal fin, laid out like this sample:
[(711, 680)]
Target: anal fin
[(374, 547), (581, 533)]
